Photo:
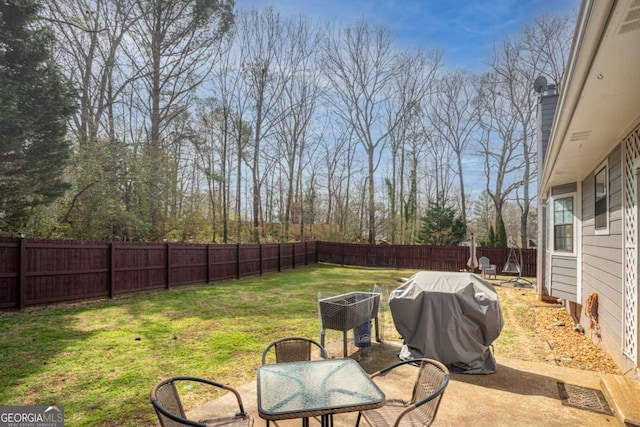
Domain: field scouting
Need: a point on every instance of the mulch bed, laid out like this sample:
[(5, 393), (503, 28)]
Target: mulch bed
[(553, 324)]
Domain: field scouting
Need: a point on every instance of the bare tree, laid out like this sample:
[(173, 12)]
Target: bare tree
[(342, 170), (262, 33), (454, 120), (414, 80), (359, 64), (173, 45), (499, 143), (514, 80), (297, 105), (307, 188), (90, 35), (547, 41), (245, 155), (540, 49), (416, 152), (233, 91), (227, 87), (210, 141), (440, 175), (363, 70)]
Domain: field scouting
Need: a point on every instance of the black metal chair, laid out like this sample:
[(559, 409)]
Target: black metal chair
[(421, 410), (168, 406), (293, 349)]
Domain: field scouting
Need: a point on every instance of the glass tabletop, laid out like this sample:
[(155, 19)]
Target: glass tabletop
[(299, 389)]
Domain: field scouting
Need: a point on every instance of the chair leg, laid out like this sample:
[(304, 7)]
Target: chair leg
[(377, 330), (344, 343), (358, 420)]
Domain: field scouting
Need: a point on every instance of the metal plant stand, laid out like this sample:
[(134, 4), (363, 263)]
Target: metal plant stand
[(347, 311)]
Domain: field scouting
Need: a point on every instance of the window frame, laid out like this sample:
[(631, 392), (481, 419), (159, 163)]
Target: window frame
[(552, 223), (603, 167)]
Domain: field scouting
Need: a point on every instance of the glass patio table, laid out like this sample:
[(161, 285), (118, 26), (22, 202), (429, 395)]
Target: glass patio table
[(315, 388)]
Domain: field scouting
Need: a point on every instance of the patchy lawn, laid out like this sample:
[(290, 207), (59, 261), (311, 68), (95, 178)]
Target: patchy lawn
[(100, 359)]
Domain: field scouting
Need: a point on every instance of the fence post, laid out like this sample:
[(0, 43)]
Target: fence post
[(208, 264), (293, 246), (426, 257), (279, 257), (306, 253), (366, 254), (395, 257), (237, 260), (22, 274), (112, 275), (168, 270), (261, 256)]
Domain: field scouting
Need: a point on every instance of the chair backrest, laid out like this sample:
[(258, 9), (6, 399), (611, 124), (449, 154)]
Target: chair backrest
[(165, 399), (484, 262), (166, 402), (433, 378), (293, 349)]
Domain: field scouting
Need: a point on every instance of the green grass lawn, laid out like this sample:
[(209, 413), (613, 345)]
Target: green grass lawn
[(100, 359)]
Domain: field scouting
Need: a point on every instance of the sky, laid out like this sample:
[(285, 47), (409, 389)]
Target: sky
[(465, 30)]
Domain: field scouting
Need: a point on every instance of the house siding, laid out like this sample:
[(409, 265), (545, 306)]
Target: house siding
[(602, 260), (564, 189), (564, 268), (598, 123), (546, 111), (564, 277)]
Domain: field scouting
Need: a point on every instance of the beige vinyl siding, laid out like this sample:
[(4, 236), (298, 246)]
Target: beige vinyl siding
[(603, 254)]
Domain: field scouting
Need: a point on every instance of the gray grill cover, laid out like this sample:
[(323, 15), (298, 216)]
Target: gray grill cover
[(450, 317)]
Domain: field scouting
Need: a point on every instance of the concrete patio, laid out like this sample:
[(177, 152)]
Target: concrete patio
[(520, 393)]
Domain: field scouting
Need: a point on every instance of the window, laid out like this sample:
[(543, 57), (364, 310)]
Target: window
[(563, 224), (601, 212)]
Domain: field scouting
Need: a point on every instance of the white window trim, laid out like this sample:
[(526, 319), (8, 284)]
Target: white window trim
[(552, 223), (605, 165)]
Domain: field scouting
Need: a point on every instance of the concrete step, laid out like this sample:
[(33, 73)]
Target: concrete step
[(623, 394)]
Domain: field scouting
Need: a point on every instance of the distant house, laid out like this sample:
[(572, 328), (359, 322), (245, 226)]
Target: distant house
[(589, 159)]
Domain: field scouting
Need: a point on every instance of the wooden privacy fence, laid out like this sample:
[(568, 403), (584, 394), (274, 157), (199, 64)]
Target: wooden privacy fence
[(48, 271), (419, 257)]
